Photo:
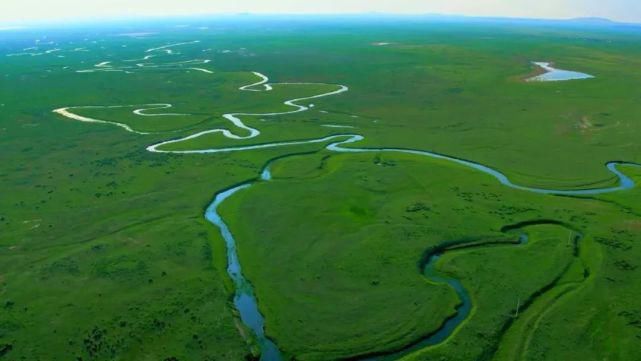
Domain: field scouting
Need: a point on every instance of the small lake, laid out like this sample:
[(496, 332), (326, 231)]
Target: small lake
[(553, 74)]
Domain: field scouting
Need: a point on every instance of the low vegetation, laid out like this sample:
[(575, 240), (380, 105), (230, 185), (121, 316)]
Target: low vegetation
[(105, 253)]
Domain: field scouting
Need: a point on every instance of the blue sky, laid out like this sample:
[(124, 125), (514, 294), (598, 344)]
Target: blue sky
[(30, 10)]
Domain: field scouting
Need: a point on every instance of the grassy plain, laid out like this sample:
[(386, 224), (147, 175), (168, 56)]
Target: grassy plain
[(105, 254), (333, 261)]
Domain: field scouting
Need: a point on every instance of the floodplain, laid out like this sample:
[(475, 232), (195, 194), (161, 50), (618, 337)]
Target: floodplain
[(349, 188)]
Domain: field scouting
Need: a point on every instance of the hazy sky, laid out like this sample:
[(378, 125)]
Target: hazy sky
[(29, 10)]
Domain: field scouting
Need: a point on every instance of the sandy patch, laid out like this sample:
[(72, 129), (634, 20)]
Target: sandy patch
[(633, 224)]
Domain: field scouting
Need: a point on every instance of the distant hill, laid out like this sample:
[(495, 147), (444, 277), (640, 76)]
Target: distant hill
[(593, 20), (572, 22)]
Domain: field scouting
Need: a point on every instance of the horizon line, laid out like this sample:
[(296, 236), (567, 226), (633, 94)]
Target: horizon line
[(81, 20)]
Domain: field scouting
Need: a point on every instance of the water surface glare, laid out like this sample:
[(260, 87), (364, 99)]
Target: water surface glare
[(553, 74)]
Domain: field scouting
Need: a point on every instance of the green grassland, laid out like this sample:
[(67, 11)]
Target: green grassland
[(332, 261), (105, 253)]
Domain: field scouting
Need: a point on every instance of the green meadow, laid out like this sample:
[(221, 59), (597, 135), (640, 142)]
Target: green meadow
[(105, 253)]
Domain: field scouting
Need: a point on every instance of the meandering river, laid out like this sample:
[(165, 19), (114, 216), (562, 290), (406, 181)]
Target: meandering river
[(244, 298)]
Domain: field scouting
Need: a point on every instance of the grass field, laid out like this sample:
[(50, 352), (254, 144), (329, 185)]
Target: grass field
[(105, 253)]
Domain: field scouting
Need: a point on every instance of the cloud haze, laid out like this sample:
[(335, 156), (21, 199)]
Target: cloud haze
[(29, 10)]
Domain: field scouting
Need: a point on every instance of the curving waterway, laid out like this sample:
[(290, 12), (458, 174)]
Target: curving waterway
[(428, 268), (244, 298)]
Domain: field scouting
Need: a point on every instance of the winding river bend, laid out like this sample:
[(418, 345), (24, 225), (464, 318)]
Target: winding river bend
[(428, 268), (244, 298)]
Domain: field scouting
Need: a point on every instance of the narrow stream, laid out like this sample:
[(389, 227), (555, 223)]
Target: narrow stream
[(625, 182), (244, 298), (462, 310)]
